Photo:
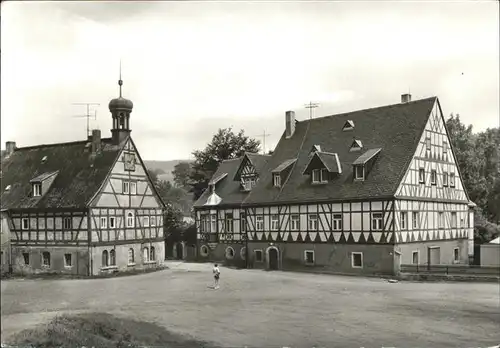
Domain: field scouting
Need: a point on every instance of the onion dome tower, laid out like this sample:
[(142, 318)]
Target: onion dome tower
[(120, 109)]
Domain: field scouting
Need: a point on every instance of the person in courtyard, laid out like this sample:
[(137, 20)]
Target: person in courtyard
[(216, 273)]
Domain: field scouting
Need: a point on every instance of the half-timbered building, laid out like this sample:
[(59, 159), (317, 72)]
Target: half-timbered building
[(359, 192), (220, 217), (83, 207)]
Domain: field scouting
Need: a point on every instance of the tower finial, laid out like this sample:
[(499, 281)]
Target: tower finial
[(120, 82)]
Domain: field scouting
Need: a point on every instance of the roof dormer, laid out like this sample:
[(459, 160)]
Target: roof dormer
[(356, 145), (281, 172), (348, 125), (321, 166), (363, 164), (41, 183)]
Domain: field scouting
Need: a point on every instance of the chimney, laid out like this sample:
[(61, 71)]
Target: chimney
[(96, 141), (289, 124), (10, 146), (405, 98)]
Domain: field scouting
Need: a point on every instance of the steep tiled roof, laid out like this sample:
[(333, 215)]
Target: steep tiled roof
[(79, 174), (227, 188), (395, 129)]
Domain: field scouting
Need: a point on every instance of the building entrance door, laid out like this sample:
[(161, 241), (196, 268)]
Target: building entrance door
[(273, 258)]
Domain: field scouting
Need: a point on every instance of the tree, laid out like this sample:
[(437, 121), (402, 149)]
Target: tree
[(181, 174), (225, 145)]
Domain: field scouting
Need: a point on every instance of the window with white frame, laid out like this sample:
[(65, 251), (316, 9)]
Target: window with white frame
[(152, 254), (277, 180), (104, 222), (421, 176), (37, 189), (357, 260), (445, 179), (152, 221), (462, 222), (441, 220), (456, 254), (203, 222), (414, 258), (67, 223), (112, 257), (313, 222), (319, 176), (415, 219), (452, 179), (258, 255), (133, 188), (213, 223), (454, 220), (112, 222), (445, 150), (145, 221), (25, 224), (309, 257), (275, 222), (126, 187), (46, 259), (294, 222), (243, 221), (377, 219), (433, 177), (259, 223), (404, 216), (130, 219), (229, 223), (428, 143), (337, 222), (359, 172), (145, 254)]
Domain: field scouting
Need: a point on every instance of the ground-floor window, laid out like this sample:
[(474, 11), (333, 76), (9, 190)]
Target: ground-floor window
[(456, 254), (67, 260), (414, 256), (152, 255), (309, 257), (105, 259), (112, 258), (229, 253), (145, 254), (243, 253), (130, 256), (357, 260), (1, 257), (258, 255), (26, 257), (46, 259), (204, 250)]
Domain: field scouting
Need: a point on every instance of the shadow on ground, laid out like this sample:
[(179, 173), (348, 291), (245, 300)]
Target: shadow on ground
[(100, 330)]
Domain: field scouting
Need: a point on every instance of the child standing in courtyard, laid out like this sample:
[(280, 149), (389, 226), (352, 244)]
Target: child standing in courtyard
[(216, 272)]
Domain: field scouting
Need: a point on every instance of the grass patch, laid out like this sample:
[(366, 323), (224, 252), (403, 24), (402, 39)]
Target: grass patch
[(100, 330)]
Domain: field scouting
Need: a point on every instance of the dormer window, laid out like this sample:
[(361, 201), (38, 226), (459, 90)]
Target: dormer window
[(319, 176), (359, 172), (248, 183), (348, 125), (7, 188), (37, 189), (277, 180), (356, 145), (44, 159)]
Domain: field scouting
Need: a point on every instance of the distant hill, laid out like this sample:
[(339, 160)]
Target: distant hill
[(165, 168)]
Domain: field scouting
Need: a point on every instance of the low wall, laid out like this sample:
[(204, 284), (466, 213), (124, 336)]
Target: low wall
[(490, 255)]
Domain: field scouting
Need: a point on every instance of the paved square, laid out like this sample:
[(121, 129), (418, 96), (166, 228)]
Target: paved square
[(264, 309)]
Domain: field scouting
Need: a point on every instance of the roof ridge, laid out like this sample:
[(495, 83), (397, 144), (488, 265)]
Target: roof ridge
[(369, 109), (56, 144)]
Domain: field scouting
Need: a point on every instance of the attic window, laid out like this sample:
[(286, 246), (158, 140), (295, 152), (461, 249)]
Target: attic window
[(359, 172), (37, 189), (277, 180), (44, 159), (348, 125), (319, 176), (7, 188), (356, 145)]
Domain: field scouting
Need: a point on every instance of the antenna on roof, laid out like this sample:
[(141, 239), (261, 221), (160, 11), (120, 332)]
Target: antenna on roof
[(263, 135), (311, 106), (88, 115)]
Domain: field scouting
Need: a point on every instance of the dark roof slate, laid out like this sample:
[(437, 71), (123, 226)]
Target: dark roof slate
[(331, 161), (396, 129), (80, 175)]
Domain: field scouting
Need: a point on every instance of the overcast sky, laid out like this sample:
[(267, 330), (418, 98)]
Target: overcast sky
[(193, 67)]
